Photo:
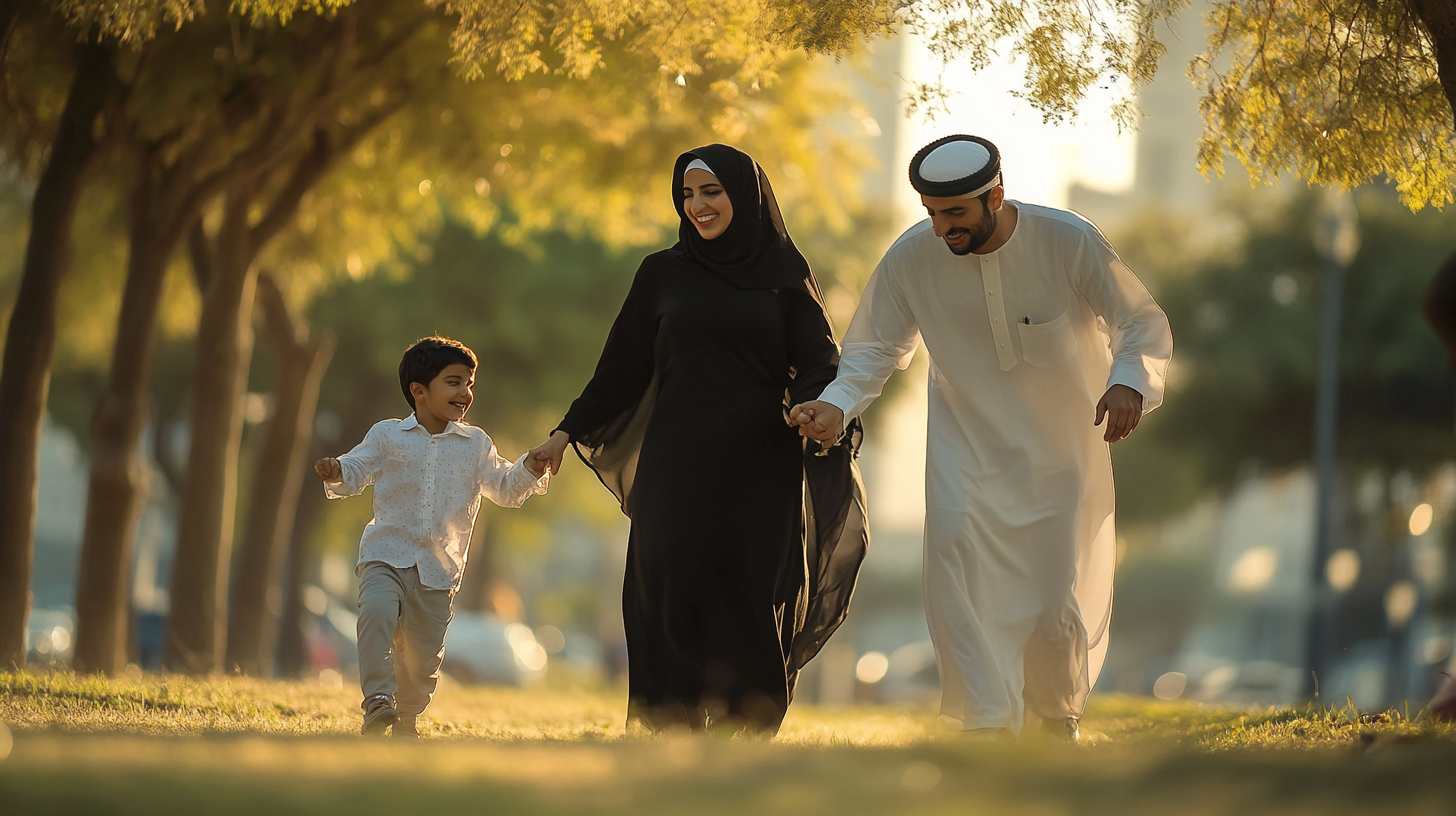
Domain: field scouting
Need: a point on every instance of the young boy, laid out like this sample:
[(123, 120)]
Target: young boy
[(429, 472)]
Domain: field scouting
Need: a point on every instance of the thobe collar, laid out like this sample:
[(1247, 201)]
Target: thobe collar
[(411, 422)]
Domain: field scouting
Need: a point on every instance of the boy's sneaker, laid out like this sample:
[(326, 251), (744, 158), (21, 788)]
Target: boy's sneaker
[(406, 728), (379, 715), (1066, 729)]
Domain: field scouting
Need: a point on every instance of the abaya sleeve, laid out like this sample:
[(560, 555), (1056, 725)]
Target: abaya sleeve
[(812, 350), (836, 532), (607, 421)]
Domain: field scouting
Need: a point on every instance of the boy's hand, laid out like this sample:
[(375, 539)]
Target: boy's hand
[(329, 469), (537, 462), (818, 420), (549, 453)]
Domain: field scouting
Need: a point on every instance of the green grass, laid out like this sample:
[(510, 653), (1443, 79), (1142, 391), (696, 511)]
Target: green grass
[(234, 745)]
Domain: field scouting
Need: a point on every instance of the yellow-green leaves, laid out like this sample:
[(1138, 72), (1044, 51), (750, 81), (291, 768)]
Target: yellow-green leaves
[(1339, 93), (1336, 92), (130, 22)]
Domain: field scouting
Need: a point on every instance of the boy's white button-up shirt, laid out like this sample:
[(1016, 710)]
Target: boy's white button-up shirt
[(427, 491)]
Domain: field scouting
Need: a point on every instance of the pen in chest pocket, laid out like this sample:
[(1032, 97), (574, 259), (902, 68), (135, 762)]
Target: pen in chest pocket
[(1026, 320)]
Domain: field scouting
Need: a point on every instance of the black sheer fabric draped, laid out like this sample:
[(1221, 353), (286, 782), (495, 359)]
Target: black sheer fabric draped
[(745, 544)]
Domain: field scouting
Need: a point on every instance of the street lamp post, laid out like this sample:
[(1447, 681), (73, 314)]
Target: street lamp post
[(1337, 238)]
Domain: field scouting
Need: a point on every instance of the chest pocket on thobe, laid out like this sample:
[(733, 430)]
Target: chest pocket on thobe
[(1050, 344)]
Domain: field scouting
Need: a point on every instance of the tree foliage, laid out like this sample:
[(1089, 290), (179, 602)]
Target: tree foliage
[(1338, 92), (1335, 92)]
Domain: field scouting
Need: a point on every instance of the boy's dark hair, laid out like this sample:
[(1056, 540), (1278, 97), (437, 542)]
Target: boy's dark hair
[(423, 362)]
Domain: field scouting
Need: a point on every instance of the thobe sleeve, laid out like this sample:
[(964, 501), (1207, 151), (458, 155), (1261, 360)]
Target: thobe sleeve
[(359, 467), (882, 337), (625, 368), (507, 484), (1141, 339), (812, 350)]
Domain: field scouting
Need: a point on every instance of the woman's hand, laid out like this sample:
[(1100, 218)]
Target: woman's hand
[(550, 452), (821, 421)]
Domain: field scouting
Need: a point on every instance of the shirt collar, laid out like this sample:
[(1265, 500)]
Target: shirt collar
[(411, 422)]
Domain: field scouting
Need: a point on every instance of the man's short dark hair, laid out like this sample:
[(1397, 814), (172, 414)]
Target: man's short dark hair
[(423, 362)]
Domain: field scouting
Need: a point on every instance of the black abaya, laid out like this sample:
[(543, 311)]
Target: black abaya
[(729, 588)]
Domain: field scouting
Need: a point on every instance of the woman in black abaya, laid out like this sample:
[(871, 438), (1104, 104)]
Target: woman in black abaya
[(745, 546)]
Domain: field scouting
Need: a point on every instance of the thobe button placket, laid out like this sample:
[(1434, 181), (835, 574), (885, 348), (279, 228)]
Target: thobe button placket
[(427, 506), (996, 308)]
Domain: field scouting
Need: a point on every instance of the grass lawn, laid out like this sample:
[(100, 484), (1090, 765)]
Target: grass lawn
[(161, 745)]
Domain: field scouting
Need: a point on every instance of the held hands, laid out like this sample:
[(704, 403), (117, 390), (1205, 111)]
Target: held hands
[(817, 420), (536, 466), (548, 454), (329, 469), (1123, 409)]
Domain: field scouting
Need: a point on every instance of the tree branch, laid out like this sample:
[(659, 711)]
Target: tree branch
[(311, 167), (204, 259), (285, 333)]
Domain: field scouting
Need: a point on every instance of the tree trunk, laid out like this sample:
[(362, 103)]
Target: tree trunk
[(196, 625), (1439, 18), (30, 338), (480, 574), (293, 653), (280, 469), (119, 469)]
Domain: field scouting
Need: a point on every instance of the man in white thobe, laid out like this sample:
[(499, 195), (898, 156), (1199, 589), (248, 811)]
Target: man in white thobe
[(1044, 349)]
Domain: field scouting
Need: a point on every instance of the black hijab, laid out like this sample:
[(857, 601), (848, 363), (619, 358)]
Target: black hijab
[(755, 251)]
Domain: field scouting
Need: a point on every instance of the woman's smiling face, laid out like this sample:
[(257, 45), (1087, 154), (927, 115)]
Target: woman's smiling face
[(706, 203)]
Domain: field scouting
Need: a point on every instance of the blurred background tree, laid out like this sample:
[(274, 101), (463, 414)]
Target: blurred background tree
[(1244, 387), (321, 146)]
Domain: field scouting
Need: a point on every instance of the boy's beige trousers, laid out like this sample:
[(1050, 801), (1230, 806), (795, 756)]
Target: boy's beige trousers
[(401, 636)]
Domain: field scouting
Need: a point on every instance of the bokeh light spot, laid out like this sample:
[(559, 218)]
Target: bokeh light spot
[(1420, 519), (1400, 603), (1343, 569), (1254, 569), (550, 638), (1170, 686), (920, 777), (872, 667)]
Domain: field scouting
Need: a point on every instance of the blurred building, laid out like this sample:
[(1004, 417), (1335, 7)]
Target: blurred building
[(1165, 170)]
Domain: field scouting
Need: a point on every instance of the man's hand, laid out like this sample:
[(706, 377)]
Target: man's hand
[(548, 454), (1122, 407), (818, 420), (329, 469)]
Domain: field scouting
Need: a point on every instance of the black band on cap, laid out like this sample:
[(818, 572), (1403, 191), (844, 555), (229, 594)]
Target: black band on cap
[(956, 187)]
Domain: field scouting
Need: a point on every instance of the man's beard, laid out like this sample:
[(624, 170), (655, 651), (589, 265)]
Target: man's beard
[(982, 233)]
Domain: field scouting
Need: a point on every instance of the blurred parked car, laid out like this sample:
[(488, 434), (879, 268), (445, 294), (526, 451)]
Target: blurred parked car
[(483, 649), (49, 636)]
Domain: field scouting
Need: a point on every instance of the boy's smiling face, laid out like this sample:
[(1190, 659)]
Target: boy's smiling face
[(446, 398)]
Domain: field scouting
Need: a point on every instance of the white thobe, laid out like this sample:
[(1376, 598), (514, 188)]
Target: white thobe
[(1019, 539)]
